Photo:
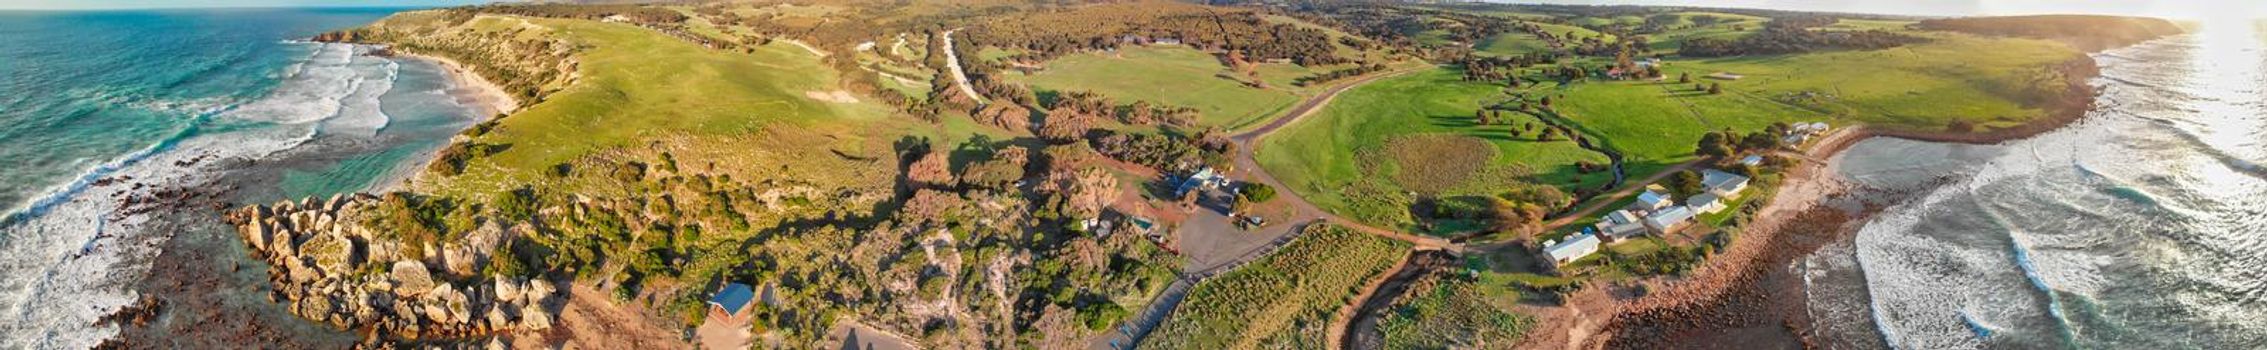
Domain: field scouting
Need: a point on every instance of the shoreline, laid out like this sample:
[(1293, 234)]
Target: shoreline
[(1751, 294), (492, 97)]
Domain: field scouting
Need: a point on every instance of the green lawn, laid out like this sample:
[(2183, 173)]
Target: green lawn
[(1922, 86), (1512, 44), (638, 86), (1727, 27), (1173, 75), (1333, 158)]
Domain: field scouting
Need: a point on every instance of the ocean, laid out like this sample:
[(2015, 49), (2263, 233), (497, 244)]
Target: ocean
[(2139, 227), (108, 117)]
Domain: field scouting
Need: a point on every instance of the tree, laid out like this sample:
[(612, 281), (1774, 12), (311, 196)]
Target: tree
[(1713, 145), (1258, 192), (1506, 215), (1481, 115), (1758, 141), (1085, 192), (1685, 183), (931, 170)]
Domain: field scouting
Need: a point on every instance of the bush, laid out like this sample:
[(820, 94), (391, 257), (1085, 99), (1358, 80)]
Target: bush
[(1257, 192)]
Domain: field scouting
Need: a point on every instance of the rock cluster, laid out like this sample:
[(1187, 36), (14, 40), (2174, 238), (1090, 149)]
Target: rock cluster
[(331, 269)]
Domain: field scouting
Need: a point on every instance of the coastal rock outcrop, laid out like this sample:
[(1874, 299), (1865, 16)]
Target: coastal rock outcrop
[(330, 268)]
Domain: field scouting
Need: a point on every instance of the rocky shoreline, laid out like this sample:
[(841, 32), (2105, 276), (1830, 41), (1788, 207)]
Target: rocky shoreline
[(330, 269), (1751, 295)]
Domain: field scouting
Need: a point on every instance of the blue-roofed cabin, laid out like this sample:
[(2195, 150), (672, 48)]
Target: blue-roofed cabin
[(732, 301)]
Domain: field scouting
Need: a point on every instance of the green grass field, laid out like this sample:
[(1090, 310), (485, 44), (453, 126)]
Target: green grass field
[(1338, 159), (1284, 300), (642, 92), (1727, 27), (1922, 86), (1176, 76)]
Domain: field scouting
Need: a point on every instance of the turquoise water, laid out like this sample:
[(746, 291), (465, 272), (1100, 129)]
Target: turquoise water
[(99, 107)]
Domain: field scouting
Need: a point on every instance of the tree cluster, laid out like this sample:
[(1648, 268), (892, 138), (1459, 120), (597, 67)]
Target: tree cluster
[(1794, 35)]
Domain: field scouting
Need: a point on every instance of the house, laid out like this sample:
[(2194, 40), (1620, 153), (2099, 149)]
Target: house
[(1575, 247), (727, 325), (1624, 231), (1201, 180), (1723, 184), (1670, 220), (1752, 160), (1705, 203), (1623, 216), (1652, 200), (1802, 132), (731, 302)]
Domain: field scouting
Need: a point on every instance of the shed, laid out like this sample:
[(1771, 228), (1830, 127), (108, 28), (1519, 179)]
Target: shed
[(733, 299)]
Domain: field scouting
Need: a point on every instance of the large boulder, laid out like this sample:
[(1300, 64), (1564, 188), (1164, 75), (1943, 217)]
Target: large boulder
[(532, 317), (538, 292), (453, 303), (330, 253), (508, 291), (411, 280)]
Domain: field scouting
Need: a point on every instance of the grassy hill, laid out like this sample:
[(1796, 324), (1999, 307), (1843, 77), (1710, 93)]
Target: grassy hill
[(1362, 156), (641, 93), (1177, 76)]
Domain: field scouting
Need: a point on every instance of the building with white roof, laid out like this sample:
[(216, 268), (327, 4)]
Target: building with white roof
[(1705, 203), (1575, 247), (1670, 220), (1625, 231), (1652, 200), (1723, 184)]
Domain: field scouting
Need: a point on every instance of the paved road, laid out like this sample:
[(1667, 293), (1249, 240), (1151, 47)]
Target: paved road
[(952, 62)]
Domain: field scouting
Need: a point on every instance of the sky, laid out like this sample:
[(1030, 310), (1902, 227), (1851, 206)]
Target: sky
[(2155, 8), (142, 4)]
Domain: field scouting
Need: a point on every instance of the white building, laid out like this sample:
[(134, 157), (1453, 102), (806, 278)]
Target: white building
[(1652, 200), (1623, 216), (1723, 184), (1670, 220), (1619, 232), (1575, 247), (1705, 203)]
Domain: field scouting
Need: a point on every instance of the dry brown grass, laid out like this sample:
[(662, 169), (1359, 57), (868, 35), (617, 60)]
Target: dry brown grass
[(1433, 163)]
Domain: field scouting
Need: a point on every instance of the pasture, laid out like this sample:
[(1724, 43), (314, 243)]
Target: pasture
[(1364, 155)]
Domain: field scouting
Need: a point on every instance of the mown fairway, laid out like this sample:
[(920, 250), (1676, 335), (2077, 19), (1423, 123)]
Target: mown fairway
[(1340, 159), (1176, 76), (1284, 300)]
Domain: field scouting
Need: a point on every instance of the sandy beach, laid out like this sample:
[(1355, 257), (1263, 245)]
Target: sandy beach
[(489, 94)]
